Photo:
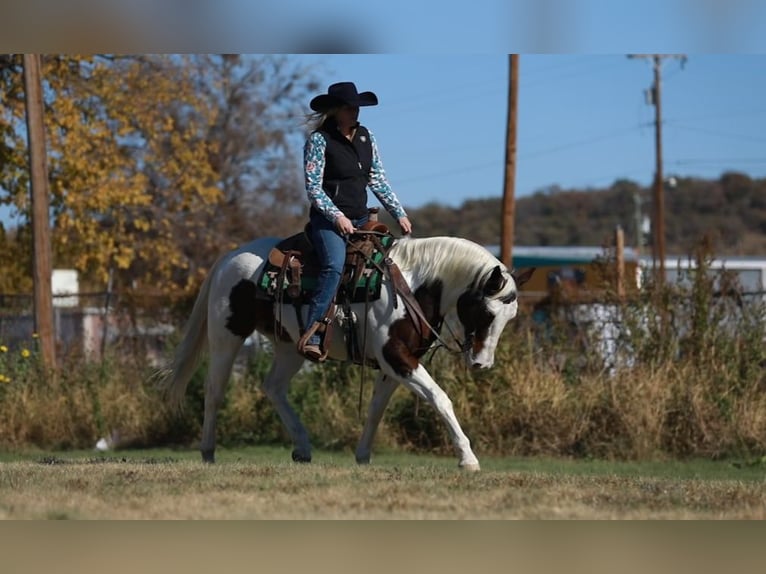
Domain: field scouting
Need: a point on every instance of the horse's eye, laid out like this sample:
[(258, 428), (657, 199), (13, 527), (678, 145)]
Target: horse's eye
[(510, 298)]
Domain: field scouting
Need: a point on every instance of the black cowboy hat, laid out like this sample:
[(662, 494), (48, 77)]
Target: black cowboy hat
[(340, 94)]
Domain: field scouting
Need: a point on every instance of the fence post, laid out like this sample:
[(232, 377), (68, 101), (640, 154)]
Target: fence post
[(619, 242)]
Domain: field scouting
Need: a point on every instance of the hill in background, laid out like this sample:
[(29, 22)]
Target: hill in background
[(731, 211)]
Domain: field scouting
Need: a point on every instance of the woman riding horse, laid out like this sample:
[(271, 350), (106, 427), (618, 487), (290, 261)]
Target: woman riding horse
[(341, 160)]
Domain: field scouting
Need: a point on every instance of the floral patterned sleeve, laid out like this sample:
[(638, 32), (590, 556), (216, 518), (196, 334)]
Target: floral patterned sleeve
[(379, 185), (313, 169)]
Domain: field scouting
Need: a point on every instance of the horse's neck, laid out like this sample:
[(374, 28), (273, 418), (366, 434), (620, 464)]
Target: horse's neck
[(450, 262)]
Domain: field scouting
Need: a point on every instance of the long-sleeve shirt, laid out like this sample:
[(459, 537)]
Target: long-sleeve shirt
[(314, 164)]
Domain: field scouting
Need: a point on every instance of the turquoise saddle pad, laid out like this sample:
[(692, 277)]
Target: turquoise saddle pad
[(367, 287)]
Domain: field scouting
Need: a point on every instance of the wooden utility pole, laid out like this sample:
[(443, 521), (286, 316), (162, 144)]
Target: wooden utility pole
[(41, 242), (659, 191), (509, 189), (658, 207)]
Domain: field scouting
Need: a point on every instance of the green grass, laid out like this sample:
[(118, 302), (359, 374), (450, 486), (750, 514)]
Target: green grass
[(262, 483), (740, 469)]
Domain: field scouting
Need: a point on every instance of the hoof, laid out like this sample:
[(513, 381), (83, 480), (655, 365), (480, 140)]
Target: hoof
[(470, 467), (363, 460), (208, 456), (298, 457)]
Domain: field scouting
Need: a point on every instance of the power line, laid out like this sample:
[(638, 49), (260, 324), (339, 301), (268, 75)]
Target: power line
[(713, 161), (738, 114), (448, 98), (716, 133), (419, 101), (572, 63), (443, 173), (579, 143), (568, 76), (594, 139)]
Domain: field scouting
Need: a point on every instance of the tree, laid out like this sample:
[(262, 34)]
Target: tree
[(159, 163), (258, 135)]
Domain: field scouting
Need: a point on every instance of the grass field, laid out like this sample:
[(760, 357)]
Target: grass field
[(262, 483)]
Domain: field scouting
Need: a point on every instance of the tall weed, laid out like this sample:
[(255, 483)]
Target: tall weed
[(683, 374)]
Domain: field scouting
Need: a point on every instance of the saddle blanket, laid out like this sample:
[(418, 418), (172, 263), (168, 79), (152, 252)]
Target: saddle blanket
[(366, 288)]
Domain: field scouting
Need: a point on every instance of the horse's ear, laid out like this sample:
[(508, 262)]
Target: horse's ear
[(495, 282), (523, 277)]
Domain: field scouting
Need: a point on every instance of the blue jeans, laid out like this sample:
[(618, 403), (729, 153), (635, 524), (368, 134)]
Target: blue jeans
[(330, 246)]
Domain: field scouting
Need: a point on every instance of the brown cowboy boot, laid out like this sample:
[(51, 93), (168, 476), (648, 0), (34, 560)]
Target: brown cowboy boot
[(314, 353)]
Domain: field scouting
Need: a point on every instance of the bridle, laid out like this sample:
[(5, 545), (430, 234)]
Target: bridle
[(463, 347), (467, 343), (421, 322)]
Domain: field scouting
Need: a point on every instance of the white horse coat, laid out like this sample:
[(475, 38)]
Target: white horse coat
[(453, 279)]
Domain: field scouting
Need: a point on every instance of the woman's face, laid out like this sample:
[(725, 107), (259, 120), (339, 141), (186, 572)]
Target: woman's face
[(348, 115)]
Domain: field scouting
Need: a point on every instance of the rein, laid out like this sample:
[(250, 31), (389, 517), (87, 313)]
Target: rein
[(462, 347), (401, 288)]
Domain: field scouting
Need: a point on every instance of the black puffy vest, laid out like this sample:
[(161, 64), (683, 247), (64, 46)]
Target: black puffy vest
[(347, 169)]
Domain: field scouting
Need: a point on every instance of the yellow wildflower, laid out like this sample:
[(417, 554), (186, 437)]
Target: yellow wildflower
[(4, 379), (3, 349), (25, 353)]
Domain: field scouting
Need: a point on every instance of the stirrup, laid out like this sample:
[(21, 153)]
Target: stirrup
[(312, 352)]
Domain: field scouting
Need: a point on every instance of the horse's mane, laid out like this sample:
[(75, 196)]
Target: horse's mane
[(451, 260)]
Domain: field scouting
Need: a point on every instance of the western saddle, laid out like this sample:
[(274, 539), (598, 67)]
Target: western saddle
[(293, 268)]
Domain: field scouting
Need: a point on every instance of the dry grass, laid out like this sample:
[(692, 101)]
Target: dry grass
[(238, 488), (81, 403), (523, 407), (691, 386)]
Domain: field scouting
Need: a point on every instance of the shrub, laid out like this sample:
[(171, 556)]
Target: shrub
[(683, 375)]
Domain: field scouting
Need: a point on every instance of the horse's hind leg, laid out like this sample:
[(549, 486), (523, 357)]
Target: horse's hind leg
[(223, 351), (381, 395), (287, 362)]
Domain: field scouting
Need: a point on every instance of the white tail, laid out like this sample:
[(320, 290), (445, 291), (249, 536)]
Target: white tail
[(173, 379)]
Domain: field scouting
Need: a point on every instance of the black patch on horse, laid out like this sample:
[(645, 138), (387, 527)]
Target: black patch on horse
[(405, 346), (243, 316), (474, 315), (429, 297)]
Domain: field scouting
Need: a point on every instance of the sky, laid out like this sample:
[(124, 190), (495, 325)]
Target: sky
[(441, 75), (393, 26), (583, 120)]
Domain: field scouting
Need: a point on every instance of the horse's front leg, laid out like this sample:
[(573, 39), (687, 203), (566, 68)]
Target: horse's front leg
[(381, 395), (422, 384), (287, 362)]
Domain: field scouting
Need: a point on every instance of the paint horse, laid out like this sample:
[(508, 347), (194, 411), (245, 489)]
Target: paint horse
[(454, 281)]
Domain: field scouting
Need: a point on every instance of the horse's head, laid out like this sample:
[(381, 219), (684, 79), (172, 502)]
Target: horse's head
[(483, 311)]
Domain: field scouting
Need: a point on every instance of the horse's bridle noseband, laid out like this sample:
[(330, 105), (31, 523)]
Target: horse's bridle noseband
[(467, 343)]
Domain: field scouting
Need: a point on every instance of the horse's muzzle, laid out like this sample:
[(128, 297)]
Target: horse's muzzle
[(478, 366), (476, 363)]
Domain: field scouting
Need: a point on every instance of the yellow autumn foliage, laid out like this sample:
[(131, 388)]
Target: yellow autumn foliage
[(127, 147), (137, 168)]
